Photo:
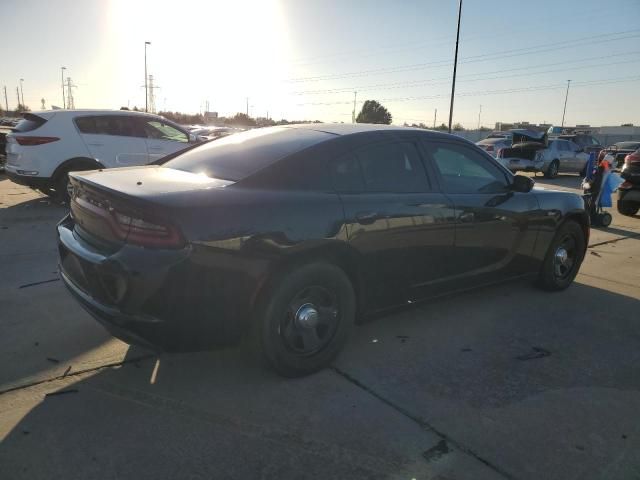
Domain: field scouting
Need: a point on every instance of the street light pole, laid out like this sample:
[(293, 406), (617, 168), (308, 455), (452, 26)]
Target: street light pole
[(146, 87), (21, 91), (435, 116), (479, 113), (455, 66), (62, 69), (565, 103)]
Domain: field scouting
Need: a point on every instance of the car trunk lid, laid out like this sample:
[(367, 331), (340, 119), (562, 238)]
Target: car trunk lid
[(118, 206)]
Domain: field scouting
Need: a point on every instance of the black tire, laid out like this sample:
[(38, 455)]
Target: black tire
[(47, 191), (628, 208), (556, 275), (61, 186), (605, 219), (552, 170), (291, 348)]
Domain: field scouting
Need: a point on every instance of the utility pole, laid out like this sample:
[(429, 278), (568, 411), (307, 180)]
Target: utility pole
[(62, 69), (247, 106), (146, 90), (479, 113), (71, 104), (22, 91), (455, 66), (435, 116), (18, 95), (6, 102), (353, 114), (565, 102)]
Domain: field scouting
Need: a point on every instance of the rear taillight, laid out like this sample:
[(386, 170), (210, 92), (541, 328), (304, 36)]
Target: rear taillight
[(132, 227), (31, 141), (144, 232), (625, 185)]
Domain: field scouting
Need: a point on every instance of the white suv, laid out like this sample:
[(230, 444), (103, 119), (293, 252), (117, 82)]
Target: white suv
[(45, 146)]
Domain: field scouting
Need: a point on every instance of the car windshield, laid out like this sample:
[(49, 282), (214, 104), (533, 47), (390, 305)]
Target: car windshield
[(238, 156)]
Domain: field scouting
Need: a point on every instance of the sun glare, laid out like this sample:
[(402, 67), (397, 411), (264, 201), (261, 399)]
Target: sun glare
[(216, 51)]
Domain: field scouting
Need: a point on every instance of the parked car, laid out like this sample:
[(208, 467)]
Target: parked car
[(616, 153), (284, 235), (45, 146), (629, 191), (494, 144), (547, 156), (211, 133), (587, 142)]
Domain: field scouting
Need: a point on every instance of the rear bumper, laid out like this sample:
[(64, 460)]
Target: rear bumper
[(27, 180), (521, 164), (151, 297)]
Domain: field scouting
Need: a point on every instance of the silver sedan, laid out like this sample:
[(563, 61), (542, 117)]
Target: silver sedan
[(560, 156)]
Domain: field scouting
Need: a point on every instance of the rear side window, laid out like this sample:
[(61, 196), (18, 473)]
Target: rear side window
[(237, 156), (392, 167), (346, 174), (29, 123), (118, 125)]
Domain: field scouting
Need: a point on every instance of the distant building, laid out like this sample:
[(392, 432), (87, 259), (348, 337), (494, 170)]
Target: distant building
[(210, 117)]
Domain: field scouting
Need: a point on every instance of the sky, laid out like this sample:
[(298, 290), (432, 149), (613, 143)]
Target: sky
[(304, 59)]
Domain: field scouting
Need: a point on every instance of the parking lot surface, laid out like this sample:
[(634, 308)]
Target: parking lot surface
[(503, 382)]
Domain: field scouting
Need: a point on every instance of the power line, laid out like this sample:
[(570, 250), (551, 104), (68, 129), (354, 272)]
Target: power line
[(472, 59), (435, 81), (491, 92)]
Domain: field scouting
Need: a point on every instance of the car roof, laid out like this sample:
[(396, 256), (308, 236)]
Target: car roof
[(82, 111), (351, 128)]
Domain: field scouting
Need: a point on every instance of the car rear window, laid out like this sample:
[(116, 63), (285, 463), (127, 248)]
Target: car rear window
[(29, 123), (627, 145), (237, 156)]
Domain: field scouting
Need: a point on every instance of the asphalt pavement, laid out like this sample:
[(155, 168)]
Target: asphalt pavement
[(503, 382)]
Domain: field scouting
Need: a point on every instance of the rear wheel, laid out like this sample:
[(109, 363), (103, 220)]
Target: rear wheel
[(552, 170), (564, 257), (305, 319)]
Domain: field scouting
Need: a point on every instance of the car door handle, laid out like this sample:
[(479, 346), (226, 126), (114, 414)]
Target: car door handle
[(367, 218), (467, 217)]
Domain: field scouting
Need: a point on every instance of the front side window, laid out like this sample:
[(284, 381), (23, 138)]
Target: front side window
[(464, 170), (392, 167), (160, 130)]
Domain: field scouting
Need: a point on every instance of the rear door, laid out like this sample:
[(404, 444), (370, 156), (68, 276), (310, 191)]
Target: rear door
[(399, 224), (493, 234), (566, 156), (162, 137), (113, 140)]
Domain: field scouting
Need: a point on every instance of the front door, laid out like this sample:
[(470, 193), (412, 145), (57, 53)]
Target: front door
[(163, 138), (493, 234), (401, 228)]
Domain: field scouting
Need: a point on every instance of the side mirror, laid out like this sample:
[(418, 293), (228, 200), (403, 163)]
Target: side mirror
[(522, 184), (192, 138)]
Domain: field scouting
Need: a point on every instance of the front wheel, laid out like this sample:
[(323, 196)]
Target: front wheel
[(564, 257), (552, 170), (305, 319)]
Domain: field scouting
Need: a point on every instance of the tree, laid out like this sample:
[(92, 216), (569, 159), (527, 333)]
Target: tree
[(241, 119), (442, 127), (22, 108), (373, 112), (458, 127)]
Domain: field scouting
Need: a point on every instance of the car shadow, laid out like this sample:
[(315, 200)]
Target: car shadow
[(223, 414)]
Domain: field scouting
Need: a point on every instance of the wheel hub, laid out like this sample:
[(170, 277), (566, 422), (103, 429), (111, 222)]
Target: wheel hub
[(307, 316), (562, 256)]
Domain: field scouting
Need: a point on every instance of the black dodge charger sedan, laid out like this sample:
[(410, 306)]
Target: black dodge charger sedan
[(284, 236)]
